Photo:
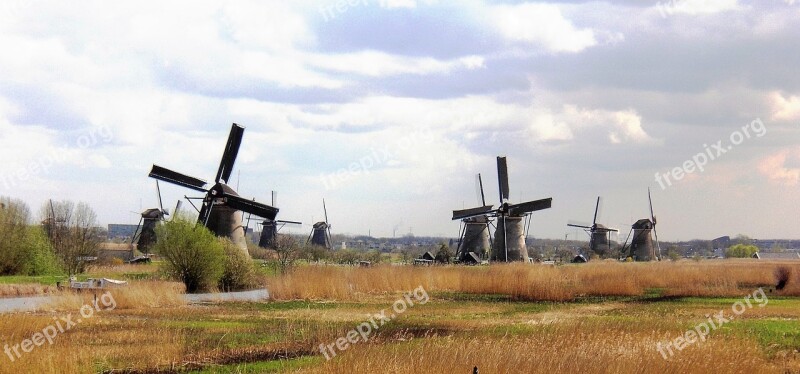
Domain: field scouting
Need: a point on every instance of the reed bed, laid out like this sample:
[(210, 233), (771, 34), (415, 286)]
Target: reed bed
[(28, 289), (539, 282), (137, 295), (567, 348)]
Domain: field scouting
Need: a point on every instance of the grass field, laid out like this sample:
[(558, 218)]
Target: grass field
[(598, 317)]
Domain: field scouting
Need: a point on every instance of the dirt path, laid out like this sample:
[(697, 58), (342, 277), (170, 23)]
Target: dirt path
[(36, 303)]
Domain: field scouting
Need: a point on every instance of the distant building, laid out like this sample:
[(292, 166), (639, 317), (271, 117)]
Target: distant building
[(121, 231)]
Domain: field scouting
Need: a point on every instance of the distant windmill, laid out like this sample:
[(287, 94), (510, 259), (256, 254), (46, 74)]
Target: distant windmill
[(474, 230), (641, 247), (55, 226), (145, 234), (221, 205), (509, 237), (599, 235), (321, 232), (270, 228)]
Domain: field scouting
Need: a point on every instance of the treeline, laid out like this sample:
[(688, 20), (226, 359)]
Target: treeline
[(65, 238)]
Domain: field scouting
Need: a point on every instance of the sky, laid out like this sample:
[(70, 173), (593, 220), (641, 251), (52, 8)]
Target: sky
[(388, 109)]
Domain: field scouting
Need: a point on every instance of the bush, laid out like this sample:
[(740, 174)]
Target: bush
[(444, 254), (238, 273), (43, 259), (741, 251), (14, 216), (24, 249), (192, 254)]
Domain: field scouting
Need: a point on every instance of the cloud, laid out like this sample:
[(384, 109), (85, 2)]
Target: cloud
[(698, 7), (542, 25), (777, 167), (379, 64), (623, 126), (389, 4), (785, 108), (610, 91)]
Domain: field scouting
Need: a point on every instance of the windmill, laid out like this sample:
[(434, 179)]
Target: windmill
[(55, 226), (321, 232), (512, 221), (599, 235), (474, 228), (641, 247), (145, 234), (270, 228), (221, 205)]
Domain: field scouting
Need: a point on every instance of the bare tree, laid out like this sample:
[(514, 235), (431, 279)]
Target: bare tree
[(72, 229), (288, 252)]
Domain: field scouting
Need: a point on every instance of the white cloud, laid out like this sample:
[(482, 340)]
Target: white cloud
[(776, 169), (543, 25), (568, 123), (379, 64), (389, 4), (697, 7), (785, 108)]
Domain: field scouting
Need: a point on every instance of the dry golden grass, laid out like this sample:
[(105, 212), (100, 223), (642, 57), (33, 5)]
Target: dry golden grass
[(152, 328), (137, 295), (538, 282), (97, 342), (30, 289), (106, 270), (567, 348)]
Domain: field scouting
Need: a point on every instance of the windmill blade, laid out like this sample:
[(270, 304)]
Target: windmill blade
[(249, 206), (596, 210), (290, 223), (530, 206), (169, 176), (624, 250), (160, 203), (658, 245), (177, 209), (505, 236), (136, 232), (231, 151), (580, 226), (502, 178), (605, 229), (329, 238), (474, 212), (326, 211), (479, 186), (205, 211), (653, 216)]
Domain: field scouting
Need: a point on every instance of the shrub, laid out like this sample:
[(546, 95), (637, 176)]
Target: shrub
[(24, 249), (444, 254), (238, 273), (741, 251), (14, 216), (192, 254), (43, 260)]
